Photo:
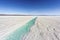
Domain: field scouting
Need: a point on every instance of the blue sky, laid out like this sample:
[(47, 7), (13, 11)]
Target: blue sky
[(30, 7)]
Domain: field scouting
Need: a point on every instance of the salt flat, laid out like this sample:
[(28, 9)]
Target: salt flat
[(45, 27)]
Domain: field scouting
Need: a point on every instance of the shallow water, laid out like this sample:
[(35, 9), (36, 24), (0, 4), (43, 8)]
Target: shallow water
[(20, 32)]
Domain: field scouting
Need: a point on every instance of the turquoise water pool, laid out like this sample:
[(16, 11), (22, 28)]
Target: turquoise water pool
[(20, 32)]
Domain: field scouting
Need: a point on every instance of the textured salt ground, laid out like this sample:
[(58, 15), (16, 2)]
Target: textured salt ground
[(45, 28)]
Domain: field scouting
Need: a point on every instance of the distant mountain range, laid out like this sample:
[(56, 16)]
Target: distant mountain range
[(24, 15)]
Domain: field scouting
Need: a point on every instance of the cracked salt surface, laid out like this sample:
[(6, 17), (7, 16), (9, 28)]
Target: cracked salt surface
[(45, 28)]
